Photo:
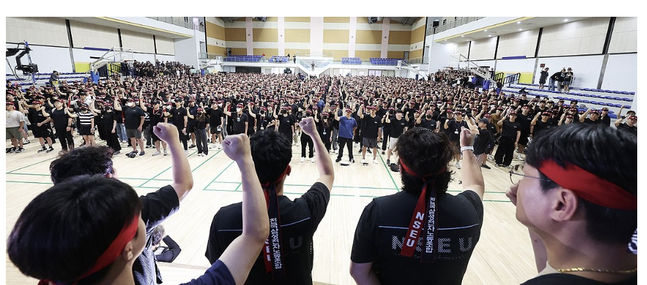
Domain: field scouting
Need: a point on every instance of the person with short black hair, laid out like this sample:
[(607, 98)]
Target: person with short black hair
[(288, 258), (371, 129), (398, 126), (347, 127), (40, 121), (104, 248), (510, 134), (421, 235), (577, 192)]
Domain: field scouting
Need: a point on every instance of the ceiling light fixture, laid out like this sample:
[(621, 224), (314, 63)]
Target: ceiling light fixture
[(565, 20)]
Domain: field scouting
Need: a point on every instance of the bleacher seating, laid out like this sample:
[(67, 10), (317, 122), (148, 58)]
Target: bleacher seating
[(588, 97), (244, 58), (42, 78), (278, 58), (351, 60), (384, 61)]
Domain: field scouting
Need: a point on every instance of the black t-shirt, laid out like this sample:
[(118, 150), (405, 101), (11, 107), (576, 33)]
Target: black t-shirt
[(524, 121), (509, 129), (397, 127), (384, 223), (481, 141), (625, 127), (454, 129), (133, 117), (108, 119), (60, 118), (540, 127), (570, 279), (215, 116), (370, 126), (36, 116), (157, 206), (156, 116), (299, 221), (239, 122), (285, 125), (177, 117), (428, 124)]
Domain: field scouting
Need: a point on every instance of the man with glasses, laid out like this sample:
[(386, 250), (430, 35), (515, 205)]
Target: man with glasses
[(581, 205)]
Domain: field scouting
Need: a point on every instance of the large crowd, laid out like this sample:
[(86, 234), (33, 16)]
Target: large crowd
[(576, 191), (206, 108)]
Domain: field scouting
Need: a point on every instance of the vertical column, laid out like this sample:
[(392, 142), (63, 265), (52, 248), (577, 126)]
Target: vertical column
[(352, 34), (249, 31), (384, 52), (281, 32), (316, 36)]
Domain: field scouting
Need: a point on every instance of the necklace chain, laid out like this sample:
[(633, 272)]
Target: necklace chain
[(582, 269)]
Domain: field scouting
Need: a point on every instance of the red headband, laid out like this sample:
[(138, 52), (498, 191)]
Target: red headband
[(418, 222), (112, 252), (589, 187)]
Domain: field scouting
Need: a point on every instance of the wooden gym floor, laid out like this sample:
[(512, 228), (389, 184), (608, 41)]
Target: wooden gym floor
[(502, 256)]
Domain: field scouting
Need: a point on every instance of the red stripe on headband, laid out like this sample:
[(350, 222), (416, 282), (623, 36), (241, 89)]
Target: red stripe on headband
[(116, 247), (589, 187), (418, 225)]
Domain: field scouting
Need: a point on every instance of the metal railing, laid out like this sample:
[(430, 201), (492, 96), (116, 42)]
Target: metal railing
[(186, 22), (449, 24), (511, 79)]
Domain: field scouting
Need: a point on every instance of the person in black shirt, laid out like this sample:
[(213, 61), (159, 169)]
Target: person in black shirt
[(200, 129), (577, 191), (285, 123), (240, 120), (594, 117), (40, 125), (453, 129), (291, 249), (134, 122), (399, 241), (156, 114), (510, 134), (109, 125), (537, 126), (306, 141), (523, 117), (216, 115), (604, 116), (63, 126), (542, 78), (325, 128), (630, 125), (398, 125), (371, 124), (192, 111), (482, 141), (179, 117)]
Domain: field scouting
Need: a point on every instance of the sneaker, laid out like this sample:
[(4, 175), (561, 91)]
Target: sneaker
[(212, 146), (165, 153), (20, 150), (338, 159), (352, 160), (132, 154), (364, 161), (141, 153), (116, 152), (149, 146), (42, 149), (485, 166), (458, 165), (11, 149), (186, 152), (157, 153), (192, 146), (369, 150), (388, 162), (374, 161), (62, 152), (519, 156), (26, 142), (302, 159), (383, 152), (312, 159), (50, 149)]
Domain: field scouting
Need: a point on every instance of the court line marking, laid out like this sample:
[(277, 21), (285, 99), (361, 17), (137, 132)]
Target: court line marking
[(30, 165)]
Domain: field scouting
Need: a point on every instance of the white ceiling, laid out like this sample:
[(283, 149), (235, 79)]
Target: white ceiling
[(527, 23)]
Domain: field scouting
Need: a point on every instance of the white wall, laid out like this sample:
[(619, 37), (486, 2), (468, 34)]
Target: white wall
[(625, 36), (439, 55), (621, 73), (95, 36), (138, 42), (575, 38), (165, 45), (43, 31), (483, 49), (515, 65), (518, 44), (586, 69)]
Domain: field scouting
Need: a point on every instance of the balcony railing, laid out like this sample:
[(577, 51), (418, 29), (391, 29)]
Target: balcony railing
[(448, 23), (186, 22)]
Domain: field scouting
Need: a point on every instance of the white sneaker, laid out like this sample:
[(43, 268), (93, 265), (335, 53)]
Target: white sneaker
[(302, 159), (312, 159), (374, 161), (165, 153), (212, 146), (458, 165), (157, 153), (364, 161)]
